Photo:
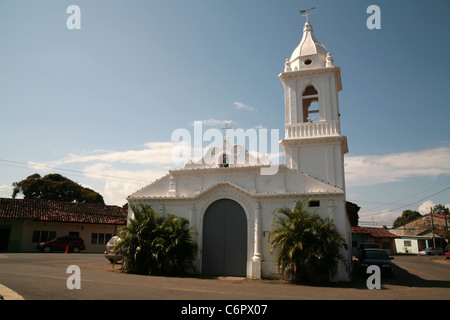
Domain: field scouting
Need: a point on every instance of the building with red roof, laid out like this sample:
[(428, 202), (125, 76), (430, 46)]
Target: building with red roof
[(381, 236), (26, 222)]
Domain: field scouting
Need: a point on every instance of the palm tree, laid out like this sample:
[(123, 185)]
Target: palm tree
[(308, 246), (157, 244)]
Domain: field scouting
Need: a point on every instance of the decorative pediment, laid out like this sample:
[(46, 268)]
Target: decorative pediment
[(228, 156), (194, 183)]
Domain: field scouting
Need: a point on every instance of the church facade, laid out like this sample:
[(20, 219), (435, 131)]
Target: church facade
[(231, 205)]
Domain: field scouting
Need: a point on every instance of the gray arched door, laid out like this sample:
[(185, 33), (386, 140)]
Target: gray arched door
[(224, 239)]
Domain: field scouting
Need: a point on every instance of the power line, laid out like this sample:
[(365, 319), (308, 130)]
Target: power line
[(397, 202), (377, 202), (27, 166), (373, 214)]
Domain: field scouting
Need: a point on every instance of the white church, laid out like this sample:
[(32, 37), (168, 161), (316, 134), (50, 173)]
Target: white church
[(231, 205)]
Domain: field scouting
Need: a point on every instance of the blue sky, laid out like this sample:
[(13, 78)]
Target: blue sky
[(101, 102)]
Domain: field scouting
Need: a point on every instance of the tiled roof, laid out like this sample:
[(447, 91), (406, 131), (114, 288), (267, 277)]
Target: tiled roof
[(440, 233), (374, 232), (56, 211)]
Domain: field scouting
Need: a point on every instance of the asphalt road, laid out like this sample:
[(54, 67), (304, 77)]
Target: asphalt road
[(40, 276)]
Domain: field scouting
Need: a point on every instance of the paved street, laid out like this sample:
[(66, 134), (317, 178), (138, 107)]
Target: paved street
[(43, 276)]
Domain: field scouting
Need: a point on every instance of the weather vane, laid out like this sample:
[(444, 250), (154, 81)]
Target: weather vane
[(306, 14)]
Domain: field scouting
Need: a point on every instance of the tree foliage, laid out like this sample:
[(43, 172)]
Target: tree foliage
[(57, 188), (308, 246), (157, 244), (440, 209), (352, 212), (407, 216)]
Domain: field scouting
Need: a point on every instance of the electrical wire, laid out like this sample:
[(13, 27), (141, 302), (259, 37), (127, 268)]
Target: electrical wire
[(397, 202), (373, 214), (27, 166)]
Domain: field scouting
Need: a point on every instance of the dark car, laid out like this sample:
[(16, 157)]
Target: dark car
[(369, 245), (376, 257), (431, 251), (69, 243)]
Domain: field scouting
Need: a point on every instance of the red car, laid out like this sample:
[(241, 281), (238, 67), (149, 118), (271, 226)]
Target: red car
[(71, 243), (447, 255)]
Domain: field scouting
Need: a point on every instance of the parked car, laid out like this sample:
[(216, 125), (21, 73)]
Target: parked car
[(367, 245), (376, 257), (447, 255), (111, 253), (431, 251), (70, 243)]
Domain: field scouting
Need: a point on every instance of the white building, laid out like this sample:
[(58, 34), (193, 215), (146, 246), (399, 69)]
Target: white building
[(231, 206)]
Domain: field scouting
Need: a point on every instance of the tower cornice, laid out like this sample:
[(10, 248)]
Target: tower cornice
[(342, 140), (302, 73)]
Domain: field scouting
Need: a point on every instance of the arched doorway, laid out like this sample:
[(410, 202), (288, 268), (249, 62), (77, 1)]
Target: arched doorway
[(224, 239)]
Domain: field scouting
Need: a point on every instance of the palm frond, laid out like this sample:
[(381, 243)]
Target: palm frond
[(307, 246), (157, 244)]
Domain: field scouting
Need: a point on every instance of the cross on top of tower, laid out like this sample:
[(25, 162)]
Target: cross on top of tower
[(306, 14), (226, 128)]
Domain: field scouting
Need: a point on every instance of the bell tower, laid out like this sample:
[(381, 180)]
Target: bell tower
[(313, 142)]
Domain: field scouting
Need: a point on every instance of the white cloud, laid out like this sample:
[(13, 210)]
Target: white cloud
[(242, 106), (154, 153), (118, 173), (214, 122), (260, 126), (6, 191), (371, 170), (425, 207), (119, 184)]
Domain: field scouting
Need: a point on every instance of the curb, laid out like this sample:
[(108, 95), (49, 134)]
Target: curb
[(8, 294)]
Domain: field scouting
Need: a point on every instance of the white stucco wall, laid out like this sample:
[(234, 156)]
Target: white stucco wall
[(194, 210)]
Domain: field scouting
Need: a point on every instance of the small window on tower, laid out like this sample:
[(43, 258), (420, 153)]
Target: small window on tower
[(307, 62)]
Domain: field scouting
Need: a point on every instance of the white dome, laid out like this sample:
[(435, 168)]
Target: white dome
[(309, 54)]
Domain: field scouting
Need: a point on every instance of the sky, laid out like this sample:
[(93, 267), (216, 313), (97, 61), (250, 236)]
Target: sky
[(99, 104)]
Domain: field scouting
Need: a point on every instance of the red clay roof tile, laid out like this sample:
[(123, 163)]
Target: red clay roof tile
[(374, 232), (56, 211)]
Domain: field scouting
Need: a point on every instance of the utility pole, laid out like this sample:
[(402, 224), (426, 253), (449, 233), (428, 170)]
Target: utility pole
[(443, 211), (432, 227)]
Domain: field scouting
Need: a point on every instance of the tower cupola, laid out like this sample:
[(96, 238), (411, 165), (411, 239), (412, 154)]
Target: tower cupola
[(309, 54)]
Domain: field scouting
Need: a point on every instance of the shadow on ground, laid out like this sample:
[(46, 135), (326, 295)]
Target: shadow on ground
[(403, 278)]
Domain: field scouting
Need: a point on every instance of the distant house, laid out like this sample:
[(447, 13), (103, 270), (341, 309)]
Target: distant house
[(26, 222), (422, 224), (416, 243), (416, 235), (383, 237)]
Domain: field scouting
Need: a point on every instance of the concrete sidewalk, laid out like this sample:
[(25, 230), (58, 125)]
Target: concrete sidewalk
[(8, 294)]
